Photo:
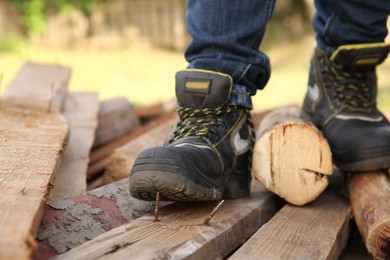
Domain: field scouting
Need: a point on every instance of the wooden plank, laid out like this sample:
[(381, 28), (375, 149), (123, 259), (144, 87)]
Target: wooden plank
[(38, 86), (31, 147), (179, 233), (81, 114), (370, 200), (123, 158), (70, 222), (116, 118), (99, 156), (318, 230)]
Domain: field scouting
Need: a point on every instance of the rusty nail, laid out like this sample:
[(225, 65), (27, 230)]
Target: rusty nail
[(156, 209), (216, 208)]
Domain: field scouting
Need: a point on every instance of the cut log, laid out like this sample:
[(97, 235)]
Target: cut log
[(31, 146), (70, 222), (291, 158), (179, 233), (37, 86), (100, 156), (81, 114), (123, 158), (116, 118), (318, 230), (370, 200)]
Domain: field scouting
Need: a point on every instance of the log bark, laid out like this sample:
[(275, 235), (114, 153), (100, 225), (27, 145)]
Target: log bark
[(38, 86), (370, 201), (179, 233), (318, 230), (116, 118), (291, 158), (31, 147), (81, 114)]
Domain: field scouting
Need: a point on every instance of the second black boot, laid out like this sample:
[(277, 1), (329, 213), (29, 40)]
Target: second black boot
[(208, 156), (341, 102)]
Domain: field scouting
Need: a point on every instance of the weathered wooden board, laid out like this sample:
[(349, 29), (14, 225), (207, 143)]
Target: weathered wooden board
[(70, 222), (370, 200), (123, 158), (318, 230), (31, 147), (81, 114), (116, 118), (179, 233), (38, 86)]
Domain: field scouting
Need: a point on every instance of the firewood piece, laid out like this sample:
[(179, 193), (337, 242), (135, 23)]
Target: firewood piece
[(37, 86), (179, 233), (70, 222), (292, 158), (81, 114), (318, 230), (31, 147), (123, 158), (370, 200), (116, 118)]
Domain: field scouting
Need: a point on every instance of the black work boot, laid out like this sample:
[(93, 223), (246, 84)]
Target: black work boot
[(209, 155), (341, 102)]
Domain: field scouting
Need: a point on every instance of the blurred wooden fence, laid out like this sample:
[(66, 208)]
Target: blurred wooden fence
[(114, 24)]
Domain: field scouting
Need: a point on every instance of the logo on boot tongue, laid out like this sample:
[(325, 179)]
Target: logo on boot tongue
[(197, 85)]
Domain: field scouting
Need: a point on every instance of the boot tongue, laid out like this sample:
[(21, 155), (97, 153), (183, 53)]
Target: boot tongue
[(199, 89), (361, 57)]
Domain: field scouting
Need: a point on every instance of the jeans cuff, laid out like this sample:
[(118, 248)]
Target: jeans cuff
[(240, 96)]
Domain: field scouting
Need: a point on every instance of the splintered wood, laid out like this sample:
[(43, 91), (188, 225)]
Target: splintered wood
[(31, 146), (179, 233), (370, 199)]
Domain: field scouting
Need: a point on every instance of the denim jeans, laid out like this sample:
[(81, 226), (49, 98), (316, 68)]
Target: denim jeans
[(226, 35)]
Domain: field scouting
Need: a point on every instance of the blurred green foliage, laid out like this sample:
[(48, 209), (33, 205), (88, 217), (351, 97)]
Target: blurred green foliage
[(11, 43), (34, 12)]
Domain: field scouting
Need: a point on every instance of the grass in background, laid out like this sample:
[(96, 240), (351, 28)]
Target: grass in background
[(11, 43), (146, 75)]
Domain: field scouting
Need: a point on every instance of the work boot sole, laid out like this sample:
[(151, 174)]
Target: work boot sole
[(145, 185)]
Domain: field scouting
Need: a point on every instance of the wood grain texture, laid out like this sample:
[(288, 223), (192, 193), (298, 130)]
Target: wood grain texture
[(123, 158), (370, 200), (80, 111), (291, 157), (116, 118), (179, 233), (318, 230), (31, 147), (38, 86)]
